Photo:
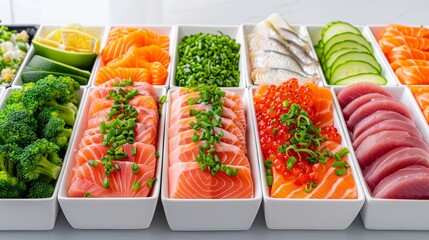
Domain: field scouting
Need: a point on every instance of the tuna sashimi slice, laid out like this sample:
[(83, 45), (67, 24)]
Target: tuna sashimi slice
[(380, 143), (329, 185), (393, 161), (89, 179), (185, 137), (356, 103), (228, 154), (373, 106), (408, 183), (187, 180), (145, 153), (375, 118), (356, 90), (388, 125), (183, 112)]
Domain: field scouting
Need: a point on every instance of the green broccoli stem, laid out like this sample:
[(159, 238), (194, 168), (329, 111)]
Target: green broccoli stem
[(7, 165), (47, 168)]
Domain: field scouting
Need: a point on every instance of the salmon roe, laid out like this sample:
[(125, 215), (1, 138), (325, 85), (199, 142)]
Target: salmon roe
[(269, 106)]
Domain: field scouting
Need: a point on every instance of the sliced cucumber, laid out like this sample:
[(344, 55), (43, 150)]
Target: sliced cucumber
[(345, 44), (319, 51), (328, 63), (351, 68), (365, 77), (347, 36), (335, 28), (357, 56)]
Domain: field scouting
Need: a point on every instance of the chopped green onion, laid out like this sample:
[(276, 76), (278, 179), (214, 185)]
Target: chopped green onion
[(87, 195), (291, 162), (274, 132), (136, 185), (102, 127), (106, 183), (163, 99), (150, 182), (134, 151), (340, 154), (285, 103), (341, 172), (270, 181), (135, 168), (308, 188), (268, 164), (157, 154), (92, 163)]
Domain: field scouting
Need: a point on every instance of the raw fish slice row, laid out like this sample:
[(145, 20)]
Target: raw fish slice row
[(146, 116), (105, 74), (408, 183), (405, 52), (185, 137), (99, 104), (141, 57), (90, 179), (354, 91), (388, 43), (392, 161), (231, 101), (413, 75), (183, 112), (331, 186), (229, 155), (356, 103), (117, 32), (388, 125), (227, 125), (144, 89), (187, 181), (408, 63), (145, 154), (396, 29)]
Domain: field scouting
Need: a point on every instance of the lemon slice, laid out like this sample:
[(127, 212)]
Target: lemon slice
[(55, 35), (76, 39)]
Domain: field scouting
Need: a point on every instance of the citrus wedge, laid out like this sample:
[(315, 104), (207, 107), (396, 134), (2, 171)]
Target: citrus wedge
[(55, 35), (76, 39)]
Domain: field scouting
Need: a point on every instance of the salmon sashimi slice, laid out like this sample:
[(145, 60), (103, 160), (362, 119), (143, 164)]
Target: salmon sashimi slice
[(322, 104), (158, 74), (396, 29), (406, 52), (112, 83), (147, 116), (229, 155), (185, 137), (145, 154), (414, 75), (87, 140), (99, 104), (186, 180), (183, 112), (329, 185), (89, 179), (118, 32), (142, 57), (183, 125), (421, 94), (388, 43), (136, 74), (408, 63), (231, 101), (121, 45), (143, 133), (144, 89)]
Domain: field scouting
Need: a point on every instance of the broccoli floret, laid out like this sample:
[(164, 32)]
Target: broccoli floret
[(11, 187), (39, 159), (40, 189), (48, 91), (8, 109), (19, 129), (56, 132), (14, 97), (8, 157), (67, 112)]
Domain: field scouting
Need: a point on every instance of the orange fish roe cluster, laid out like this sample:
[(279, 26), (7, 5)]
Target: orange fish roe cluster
[(278, 128)]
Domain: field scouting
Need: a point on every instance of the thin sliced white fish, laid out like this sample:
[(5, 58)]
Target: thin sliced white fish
[(262, 76), (258, 43)]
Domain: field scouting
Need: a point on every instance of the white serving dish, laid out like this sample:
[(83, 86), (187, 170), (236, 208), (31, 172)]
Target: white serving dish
[(213, 214), (2, 91), (315, 32), (169, 31), (185, 30), (392, 214), (98, 31), (34, 214), (109, 213), (247, 29), (326, 214)]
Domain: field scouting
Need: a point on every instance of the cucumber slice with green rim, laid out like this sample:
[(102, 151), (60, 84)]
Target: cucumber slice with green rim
[(351, 68), (345, 44), (365, 77), (50, 65), (329, 61), (335, 28), (319, 51), (347, 36), (34, 76), (356, 56)]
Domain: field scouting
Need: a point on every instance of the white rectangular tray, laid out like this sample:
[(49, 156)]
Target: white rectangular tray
[(213, 214), (392, 214), (185, 30), (327, 214), (109, 213)]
